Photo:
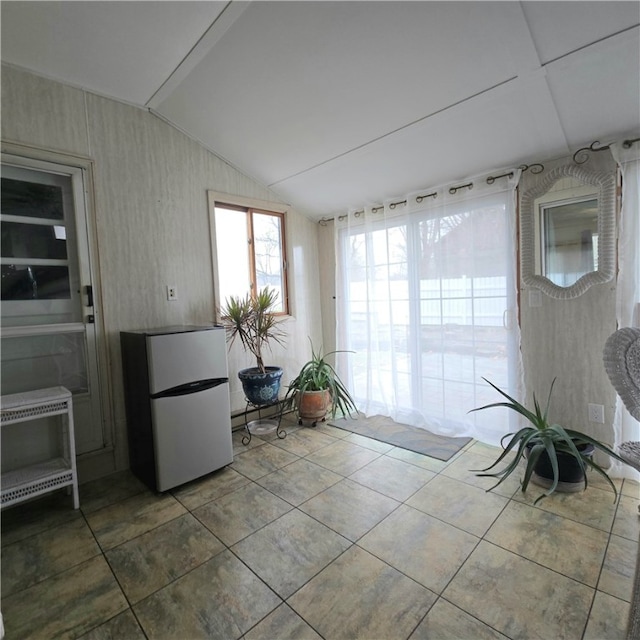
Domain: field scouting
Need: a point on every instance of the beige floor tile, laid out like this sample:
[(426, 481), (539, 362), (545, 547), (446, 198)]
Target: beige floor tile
[(422, 547), (627, 520), (219, 599), (260, 461), (331, 430), (358, 596), (457, 503), (446, 622), (608, 618), (66, 605), (618, 569), (299, 481), (239, 514), (392, 477), (593, 507), (566, 546), (483, 449), (343, 457), (283, 624), (30, 518), (101, 493), (631, 488), (463, 469), (45, 554), (194, 494), (289, 551), (519, 598), (417, 459), (132, 517), (304, 441), (350, 509), (123, 627), (153, 560), (594, 479), (239, 446), (369, 443)]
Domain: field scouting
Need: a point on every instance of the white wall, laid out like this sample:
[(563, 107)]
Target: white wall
[(152, 222)]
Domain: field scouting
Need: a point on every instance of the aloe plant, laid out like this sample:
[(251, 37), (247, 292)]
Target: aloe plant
[(252, 320), (541, 436)]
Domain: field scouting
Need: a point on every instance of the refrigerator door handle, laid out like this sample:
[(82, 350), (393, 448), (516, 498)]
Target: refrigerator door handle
[(190, 387)]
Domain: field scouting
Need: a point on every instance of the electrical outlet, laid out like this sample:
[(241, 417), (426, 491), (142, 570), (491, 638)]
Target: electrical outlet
[(596, 413), (172, 292)]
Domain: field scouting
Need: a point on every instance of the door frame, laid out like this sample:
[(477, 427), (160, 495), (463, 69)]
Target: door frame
[(88, 465)]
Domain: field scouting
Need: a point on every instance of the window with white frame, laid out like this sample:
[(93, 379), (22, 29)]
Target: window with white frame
[(250, 249)]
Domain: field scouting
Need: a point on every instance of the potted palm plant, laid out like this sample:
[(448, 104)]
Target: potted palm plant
[(318, 391), (555, 458), (251, 319)]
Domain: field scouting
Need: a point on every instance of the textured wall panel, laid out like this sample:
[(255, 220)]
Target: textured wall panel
[(42, 113)]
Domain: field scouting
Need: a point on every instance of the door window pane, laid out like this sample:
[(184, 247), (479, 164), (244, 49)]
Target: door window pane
[(33, 241), (39, 361), (31, 199), (35, 282), (39, 267)]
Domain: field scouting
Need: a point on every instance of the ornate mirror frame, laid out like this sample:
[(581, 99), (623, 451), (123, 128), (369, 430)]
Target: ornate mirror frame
[(606, 184)]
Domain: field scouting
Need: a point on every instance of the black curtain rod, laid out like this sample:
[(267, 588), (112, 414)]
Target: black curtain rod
[(535, 168)]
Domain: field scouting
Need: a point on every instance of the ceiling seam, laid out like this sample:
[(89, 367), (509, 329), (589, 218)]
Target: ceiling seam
[(201, 48), (394, 131), (590, 44)]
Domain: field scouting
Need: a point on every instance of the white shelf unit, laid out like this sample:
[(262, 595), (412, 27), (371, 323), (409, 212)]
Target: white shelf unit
[(36, 479)]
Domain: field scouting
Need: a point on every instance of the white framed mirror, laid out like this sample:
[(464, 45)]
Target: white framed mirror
[(567, 231)]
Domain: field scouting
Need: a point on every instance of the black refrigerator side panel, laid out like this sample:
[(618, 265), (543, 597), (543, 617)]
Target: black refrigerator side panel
[(138, 407)]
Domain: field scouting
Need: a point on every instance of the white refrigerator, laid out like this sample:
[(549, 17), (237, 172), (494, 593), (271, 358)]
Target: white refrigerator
[(177, 401)]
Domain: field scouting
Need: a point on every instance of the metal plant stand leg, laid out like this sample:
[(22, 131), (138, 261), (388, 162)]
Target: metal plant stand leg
[(280, 432)]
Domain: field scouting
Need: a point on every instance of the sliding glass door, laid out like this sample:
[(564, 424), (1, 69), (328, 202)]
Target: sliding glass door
[(427, 304)]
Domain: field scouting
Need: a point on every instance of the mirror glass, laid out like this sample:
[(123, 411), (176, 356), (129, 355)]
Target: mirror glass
[(567, 231)]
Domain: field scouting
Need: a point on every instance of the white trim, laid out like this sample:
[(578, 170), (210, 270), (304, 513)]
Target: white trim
[(42, 329), (243, 201)]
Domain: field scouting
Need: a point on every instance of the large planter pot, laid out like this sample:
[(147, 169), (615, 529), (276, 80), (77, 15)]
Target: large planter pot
[(570, 476), (261, 388), (313, 405)]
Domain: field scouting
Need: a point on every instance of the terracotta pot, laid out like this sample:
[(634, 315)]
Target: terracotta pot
[(313, 405)]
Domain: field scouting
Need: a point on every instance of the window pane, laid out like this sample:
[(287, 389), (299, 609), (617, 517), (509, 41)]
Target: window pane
[(32, 200), (34, 241), (268, 254), (32, 282), (233, 254)]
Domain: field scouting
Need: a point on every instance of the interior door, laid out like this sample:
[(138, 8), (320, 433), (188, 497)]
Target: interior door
[(48, 328)]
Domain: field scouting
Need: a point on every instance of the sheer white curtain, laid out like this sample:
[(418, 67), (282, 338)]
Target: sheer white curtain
[(628, 281), (427, 306)]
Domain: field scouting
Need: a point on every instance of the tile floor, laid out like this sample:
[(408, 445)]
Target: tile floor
[(324, 534)]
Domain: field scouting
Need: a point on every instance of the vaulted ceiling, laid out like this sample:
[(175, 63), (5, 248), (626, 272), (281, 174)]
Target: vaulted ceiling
[(338, 104)]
